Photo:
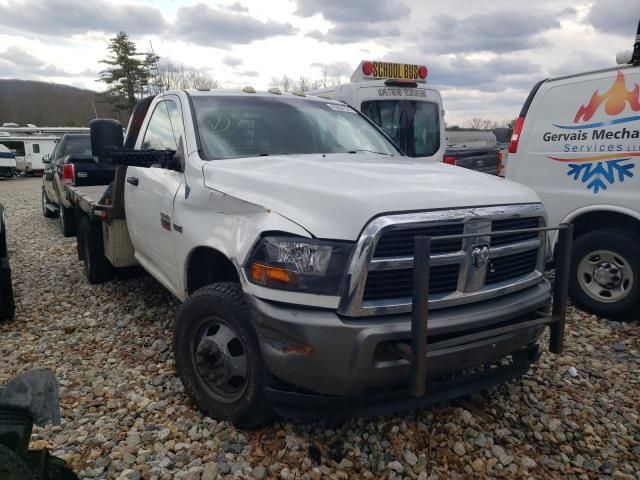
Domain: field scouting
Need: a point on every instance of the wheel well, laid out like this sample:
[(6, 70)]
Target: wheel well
[(604, 219), (207, 266)]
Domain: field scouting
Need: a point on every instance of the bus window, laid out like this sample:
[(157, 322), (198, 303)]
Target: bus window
[(414, 126)]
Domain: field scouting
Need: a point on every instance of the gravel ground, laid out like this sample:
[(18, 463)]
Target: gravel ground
[(126, 416)]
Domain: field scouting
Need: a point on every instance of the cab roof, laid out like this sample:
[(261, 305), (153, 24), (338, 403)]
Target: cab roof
[(219, 92)]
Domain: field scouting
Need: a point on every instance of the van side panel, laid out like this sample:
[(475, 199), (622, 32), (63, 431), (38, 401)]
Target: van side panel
[(580, 144)]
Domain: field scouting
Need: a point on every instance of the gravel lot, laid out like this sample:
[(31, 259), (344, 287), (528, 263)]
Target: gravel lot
[(125, 414)]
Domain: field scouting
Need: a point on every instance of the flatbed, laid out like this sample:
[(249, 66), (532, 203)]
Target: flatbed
[(86, 198), (105, 225)]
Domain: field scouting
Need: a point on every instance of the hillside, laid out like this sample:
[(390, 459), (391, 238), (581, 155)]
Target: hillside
[(48, 104)]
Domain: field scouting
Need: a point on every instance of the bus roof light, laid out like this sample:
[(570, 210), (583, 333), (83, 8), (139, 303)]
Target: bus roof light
[(367, 68)]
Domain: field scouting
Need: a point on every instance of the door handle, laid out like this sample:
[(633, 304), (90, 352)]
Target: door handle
[(132, 181)]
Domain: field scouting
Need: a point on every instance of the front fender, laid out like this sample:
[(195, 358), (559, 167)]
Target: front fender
[(226, 224)]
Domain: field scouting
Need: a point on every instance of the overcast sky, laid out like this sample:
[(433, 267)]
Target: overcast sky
[(484, 56)]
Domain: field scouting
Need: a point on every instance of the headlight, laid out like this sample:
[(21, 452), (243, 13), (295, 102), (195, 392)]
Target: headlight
[(292, 263)]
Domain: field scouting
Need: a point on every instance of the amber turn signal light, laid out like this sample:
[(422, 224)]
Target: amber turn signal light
[(267, 275)]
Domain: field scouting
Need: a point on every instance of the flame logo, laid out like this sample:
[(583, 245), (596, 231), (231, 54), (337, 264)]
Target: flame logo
[(616, 99)]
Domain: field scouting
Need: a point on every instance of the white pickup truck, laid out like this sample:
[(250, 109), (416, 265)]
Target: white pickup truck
[(286, 224)]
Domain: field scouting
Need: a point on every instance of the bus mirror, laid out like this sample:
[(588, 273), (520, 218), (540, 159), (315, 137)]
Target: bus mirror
[(106, 137), (45, 159)]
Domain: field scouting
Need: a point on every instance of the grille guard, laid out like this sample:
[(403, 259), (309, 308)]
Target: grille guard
[(417, 353)]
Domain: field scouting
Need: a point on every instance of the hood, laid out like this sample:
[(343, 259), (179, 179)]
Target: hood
[(334, 196)]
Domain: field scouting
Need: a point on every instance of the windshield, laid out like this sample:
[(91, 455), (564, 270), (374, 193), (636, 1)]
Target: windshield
[(77, 146), (251, 126), (414, 126)]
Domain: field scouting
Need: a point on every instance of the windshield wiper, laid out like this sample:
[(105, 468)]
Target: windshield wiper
[(369, 151)]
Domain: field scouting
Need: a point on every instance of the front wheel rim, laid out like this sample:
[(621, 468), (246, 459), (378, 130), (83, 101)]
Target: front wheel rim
[(605, 276), (221, 360)]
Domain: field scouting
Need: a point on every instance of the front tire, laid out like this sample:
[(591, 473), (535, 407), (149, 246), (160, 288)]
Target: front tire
[(7, 305), (605, 273), (45, 211), (218, 356), (67, 221)]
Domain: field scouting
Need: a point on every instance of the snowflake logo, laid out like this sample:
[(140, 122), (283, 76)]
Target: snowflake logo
[(598, 175)]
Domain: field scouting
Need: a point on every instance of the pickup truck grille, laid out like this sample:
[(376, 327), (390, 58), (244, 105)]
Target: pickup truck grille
[(384, 284), (399, 283), (399, 242), (514, 224)]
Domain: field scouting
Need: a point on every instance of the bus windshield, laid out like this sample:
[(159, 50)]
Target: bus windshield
[(234, 126), (413, 125)]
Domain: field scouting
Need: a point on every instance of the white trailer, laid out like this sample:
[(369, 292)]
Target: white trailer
[(29, 150)]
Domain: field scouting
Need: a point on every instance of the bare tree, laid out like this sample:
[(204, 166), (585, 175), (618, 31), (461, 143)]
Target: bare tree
[(284, 83), (480, 124), (171, 76), (304, 84)]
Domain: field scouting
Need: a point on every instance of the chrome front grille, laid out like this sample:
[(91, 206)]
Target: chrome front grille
[(380, 275), (397, 242)]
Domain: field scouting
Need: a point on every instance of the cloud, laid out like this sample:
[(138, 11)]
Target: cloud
[(211, 27), (248, 73), (17, 62), (232, 62), (354, 11), (69, 17), (459, 72), (501, 31), (617, 17), (352, 33), (568, 12), (334, 69), (238, 7)]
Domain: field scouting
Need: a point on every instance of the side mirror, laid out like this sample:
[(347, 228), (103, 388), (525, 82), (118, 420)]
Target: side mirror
[(46, 159), (106, 137)]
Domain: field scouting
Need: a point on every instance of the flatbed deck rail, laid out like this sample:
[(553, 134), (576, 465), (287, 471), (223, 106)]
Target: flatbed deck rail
[(87, 198)]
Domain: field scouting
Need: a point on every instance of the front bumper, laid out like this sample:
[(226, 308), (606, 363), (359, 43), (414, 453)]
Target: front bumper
[(380, 364), (321, 352)]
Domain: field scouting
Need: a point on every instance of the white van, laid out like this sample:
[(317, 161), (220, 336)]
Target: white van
[(577, 144), (7, 162)]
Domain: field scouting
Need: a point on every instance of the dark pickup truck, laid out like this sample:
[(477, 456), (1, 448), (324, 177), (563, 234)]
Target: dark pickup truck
[(484, 159), (70, 163)]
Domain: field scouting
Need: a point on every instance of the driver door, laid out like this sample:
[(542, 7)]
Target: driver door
[(150, 194)]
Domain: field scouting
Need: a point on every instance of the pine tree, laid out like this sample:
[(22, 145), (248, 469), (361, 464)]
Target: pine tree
[(127, 75)]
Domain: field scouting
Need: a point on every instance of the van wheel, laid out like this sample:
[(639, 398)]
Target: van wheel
[(45, 211), (605, 273), (218, 356), (96, 266), (67, 221)]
